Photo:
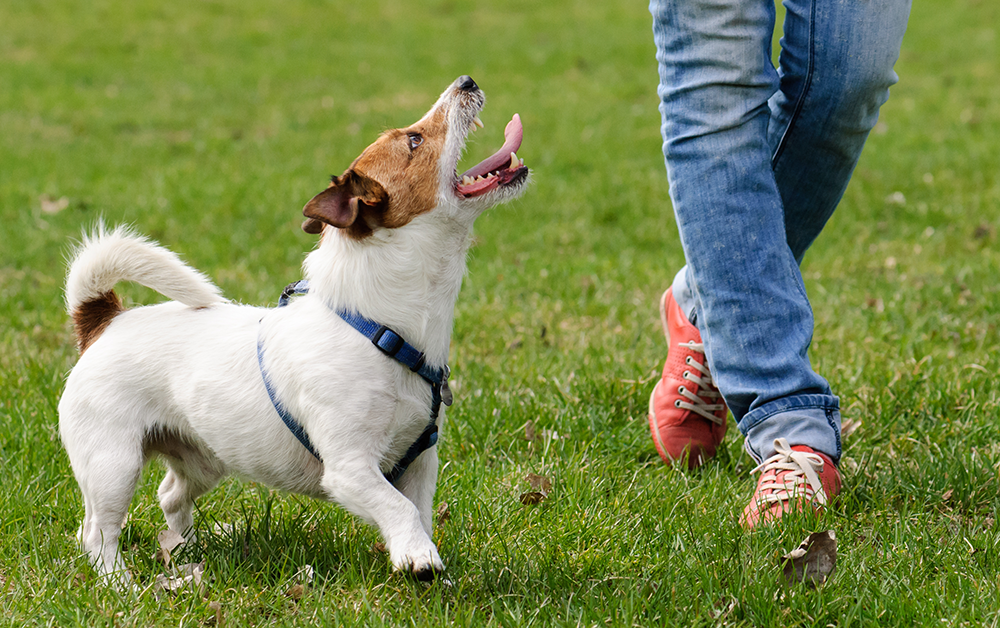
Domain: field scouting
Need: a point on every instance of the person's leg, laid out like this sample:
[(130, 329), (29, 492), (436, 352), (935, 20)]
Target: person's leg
[(835, 69), (716, 78)]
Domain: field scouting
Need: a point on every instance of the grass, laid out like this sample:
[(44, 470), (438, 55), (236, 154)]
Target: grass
[(209, 124)]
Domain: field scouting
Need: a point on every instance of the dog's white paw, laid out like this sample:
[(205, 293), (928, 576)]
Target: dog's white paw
[(424, 563)]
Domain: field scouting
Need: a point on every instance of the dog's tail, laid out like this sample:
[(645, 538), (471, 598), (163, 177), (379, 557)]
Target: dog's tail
[(104, 259)]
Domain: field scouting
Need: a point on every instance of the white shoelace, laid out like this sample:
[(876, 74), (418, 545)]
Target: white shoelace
[(802, 479), (706, 387)]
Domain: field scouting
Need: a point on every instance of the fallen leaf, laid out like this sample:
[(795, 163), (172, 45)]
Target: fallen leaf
[(296, 591), (896, 198), (217, 619), (982, 232), (222, 528), (443, 514), (541, 486), (168, 541), (378, 547), (185, 576), (52, 205), (539, 483), (532, 498), (305, 574), (813, 561), (529, 431), (945, 496), (551, 435), (723, 608), (848, 427)]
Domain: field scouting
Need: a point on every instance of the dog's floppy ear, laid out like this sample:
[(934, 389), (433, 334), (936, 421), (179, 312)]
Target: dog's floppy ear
[(337, 205)]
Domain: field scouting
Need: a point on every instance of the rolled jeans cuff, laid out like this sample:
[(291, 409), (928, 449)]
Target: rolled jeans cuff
[(812, 420)]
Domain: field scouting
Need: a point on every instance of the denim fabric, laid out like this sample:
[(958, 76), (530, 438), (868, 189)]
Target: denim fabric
[(757, 160)]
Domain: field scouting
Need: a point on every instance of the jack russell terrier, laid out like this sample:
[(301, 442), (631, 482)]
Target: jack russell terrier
[(296, 397)]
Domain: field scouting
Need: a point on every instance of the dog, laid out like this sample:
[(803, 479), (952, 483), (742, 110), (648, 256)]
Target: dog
[(293, 397)]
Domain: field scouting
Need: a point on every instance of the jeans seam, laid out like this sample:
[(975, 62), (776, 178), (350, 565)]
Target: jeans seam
[(836, 432), (807, 85)]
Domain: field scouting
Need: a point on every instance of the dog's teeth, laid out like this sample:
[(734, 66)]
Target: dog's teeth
[(478, 122), (513, 161), (466, 180), (521, 162), (489, 176)]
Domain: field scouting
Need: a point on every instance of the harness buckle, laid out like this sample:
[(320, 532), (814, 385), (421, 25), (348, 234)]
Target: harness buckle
[(391, 345), (446, 397)]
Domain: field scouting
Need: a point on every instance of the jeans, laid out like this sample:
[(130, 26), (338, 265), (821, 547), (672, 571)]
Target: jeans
[(757, 159)]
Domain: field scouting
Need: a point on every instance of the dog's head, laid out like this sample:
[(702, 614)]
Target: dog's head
[(411, 171)]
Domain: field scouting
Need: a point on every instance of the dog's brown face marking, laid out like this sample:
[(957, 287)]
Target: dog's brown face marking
[(92, 317), (406, 163), (393, 181)]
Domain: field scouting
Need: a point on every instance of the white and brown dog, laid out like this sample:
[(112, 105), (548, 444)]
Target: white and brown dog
[(204, 384)]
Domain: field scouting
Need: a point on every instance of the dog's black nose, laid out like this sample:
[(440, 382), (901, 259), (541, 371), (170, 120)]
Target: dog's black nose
[(465, 83)]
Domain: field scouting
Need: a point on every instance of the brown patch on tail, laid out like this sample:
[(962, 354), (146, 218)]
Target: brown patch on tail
[(91, 318)]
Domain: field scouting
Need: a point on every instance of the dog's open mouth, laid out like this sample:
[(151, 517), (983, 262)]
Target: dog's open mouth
[(503, 168)]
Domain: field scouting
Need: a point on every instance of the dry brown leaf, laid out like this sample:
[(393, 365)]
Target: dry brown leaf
[(296, 591), (945, 496), (982, 231), (52, 205), (222, 528), (813, 561), (848, 427), (378, 547), (443, 514), (305, 574), (168, 541), (541, 486), (302, 579), (186, 576), (529, 431), (532, 498), (217, 619), (539, 483)]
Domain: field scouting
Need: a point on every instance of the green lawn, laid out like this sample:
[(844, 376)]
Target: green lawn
[(208, 124)]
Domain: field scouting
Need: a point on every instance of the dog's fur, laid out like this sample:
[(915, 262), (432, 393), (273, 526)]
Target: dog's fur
[(180, 380)]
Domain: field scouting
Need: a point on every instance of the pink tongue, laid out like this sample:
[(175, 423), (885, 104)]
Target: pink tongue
[(512, 142)]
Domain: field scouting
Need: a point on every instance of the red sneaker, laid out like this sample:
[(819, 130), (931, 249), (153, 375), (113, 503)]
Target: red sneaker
[(687, 416), (790, 479)]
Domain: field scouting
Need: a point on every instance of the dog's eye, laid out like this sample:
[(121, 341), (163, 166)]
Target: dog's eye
[(415, 140)]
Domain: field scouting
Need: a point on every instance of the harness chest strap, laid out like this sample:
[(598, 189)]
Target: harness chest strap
[(393, 345)]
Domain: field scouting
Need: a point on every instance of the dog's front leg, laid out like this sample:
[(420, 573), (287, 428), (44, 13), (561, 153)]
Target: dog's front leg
[(418, 485), (361, 489)]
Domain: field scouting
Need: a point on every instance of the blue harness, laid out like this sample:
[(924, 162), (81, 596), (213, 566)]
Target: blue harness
[(393, 345)]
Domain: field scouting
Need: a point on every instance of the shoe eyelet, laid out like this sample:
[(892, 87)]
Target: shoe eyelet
[(677, 403), (688, 360), (681, 389), (686, 374)]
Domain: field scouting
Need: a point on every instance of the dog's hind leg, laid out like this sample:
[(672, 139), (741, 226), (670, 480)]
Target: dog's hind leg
[(182, 485), (191, 472), (107, 479)]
